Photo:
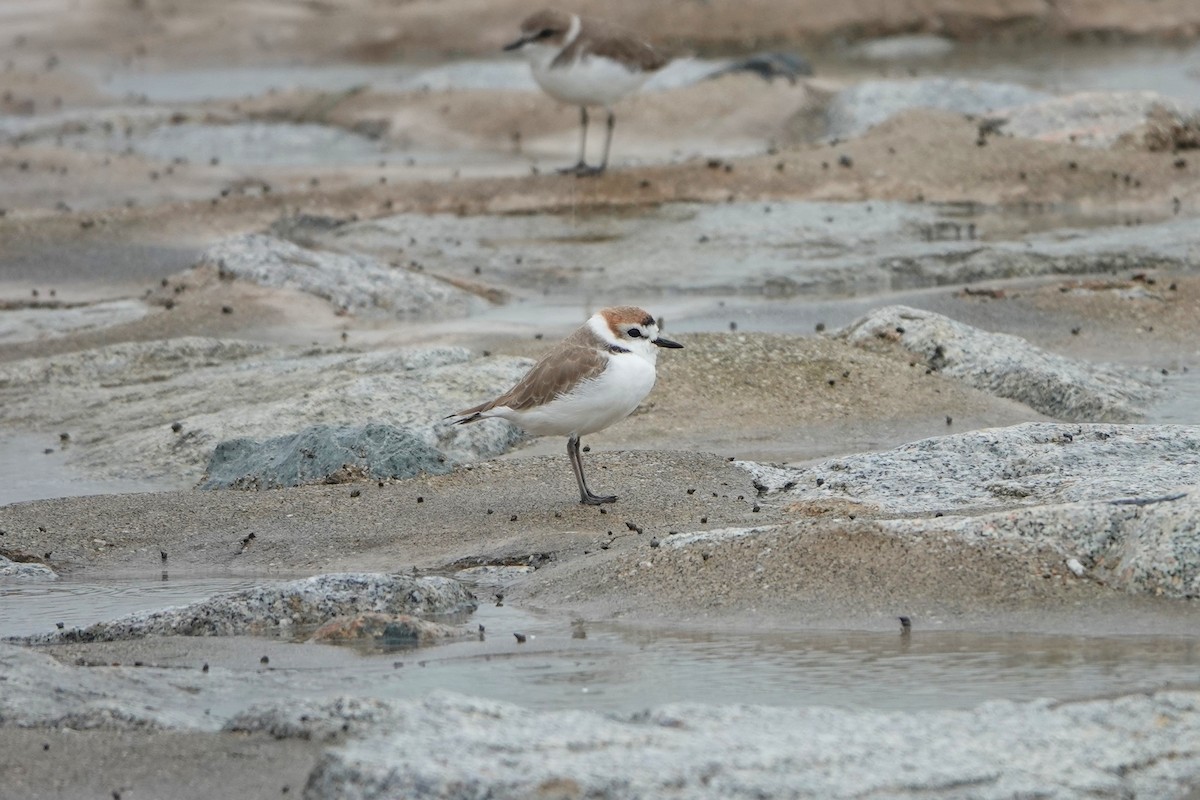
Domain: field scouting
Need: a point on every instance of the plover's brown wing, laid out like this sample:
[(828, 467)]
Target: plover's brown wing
[(559, 371), (621, 46)]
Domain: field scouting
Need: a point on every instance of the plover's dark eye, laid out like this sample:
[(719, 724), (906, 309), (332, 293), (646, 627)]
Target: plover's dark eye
[(544, 33), (635, 333)]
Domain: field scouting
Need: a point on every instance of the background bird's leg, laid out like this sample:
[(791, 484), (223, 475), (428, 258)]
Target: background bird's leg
[(581, 167), (585, 494), (612, 121)]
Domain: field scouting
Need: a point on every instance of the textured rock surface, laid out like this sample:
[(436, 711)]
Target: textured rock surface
[(40, 691), (1002, 468), (1094, 119), (356, 283), (313, 719), (854, 110), (1144, 745), (22, 571), (322, 454), (53, 320), (281, 607), (800, 247), (1008, 366), (122, 402), (1150, 546)]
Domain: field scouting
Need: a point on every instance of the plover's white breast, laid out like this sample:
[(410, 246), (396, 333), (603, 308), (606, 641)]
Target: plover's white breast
[(592, 405)]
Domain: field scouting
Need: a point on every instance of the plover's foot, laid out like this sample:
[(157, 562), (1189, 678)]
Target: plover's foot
[(598, 500), (581, 170)]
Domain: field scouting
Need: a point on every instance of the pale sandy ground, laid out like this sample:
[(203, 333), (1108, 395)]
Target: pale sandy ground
[(776, 406)]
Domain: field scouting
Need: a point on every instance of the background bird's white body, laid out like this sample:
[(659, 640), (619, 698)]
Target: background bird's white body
[(590, 81), (585, 63)]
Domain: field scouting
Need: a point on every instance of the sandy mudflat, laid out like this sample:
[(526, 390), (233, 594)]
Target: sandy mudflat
[(758, 483)]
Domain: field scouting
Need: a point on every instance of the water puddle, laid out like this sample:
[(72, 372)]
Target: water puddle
[(35, 467), (1172, 71), (1181, 402), (28, 608), (611, 667)]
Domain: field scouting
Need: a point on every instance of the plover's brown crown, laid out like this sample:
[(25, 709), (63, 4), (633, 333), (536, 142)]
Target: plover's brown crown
[(619, 316)]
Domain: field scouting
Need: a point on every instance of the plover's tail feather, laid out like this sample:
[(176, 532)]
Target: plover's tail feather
[(472, 414)]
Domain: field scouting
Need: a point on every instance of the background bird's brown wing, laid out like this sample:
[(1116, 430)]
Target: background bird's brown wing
[(604, 40)]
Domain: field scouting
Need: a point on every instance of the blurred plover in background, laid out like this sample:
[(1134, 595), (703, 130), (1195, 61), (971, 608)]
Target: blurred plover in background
[(587, 64), (595, 377)]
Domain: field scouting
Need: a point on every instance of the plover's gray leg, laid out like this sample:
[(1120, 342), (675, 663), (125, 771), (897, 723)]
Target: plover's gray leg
[(585, 494)]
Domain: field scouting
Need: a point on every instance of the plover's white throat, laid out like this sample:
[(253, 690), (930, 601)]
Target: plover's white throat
[(587, 64), (596, 376)]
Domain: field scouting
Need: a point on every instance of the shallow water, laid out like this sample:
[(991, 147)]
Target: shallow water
[(1063, 68), (1181, 403), (29, 607), (607, 666), (1170, 70), (506, 74), (35, 467)]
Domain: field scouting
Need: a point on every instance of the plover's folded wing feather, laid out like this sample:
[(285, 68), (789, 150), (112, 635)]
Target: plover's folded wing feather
[(557, 373), (612, 43)]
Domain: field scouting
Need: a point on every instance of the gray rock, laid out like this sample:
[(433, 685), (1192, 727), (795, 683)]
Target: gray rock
[(360, 284), (41, 691), (282, 607), (313, 719), (800, 249), (1093, 119), (1138, 745), (121, 402), (54, 320), (853, 111), (1010, 367), (1149, 546), (128, 364), (1167, 128), (1036, 463), (322, 454), (23, 571)]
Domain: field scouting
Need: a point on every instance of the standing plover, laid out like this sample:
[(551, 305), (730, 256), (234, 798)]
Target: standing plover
[(596, 376), (585, 63)]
